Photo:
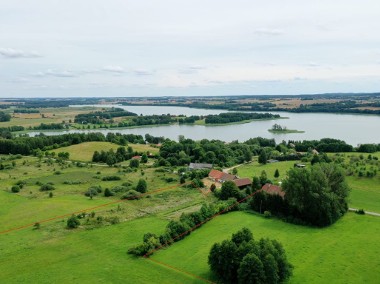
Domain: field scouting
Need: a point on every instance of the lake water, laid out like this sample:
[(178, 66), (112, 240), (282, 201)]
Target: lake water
[(354, 129)]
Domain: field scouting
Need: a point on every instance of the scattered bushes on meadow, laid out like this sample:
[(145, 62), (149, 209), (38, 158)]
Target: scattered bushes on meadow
[(111, 178), (47, 187)]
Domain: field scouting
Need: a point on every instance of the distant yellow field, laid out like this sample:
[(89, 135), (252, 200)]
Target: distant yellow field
[(84, 151)]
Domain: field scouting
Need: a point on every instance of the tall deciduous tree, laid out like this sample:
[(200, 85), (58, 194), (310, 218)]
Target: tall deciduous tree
[(263, 157), (319, 194), (142, 186)]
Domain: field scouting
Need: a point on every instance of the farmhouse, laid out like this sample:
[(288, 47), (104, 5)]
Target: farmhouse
[(242, 183), (136, 157), (219, 176), (199, 166), (273, 189)]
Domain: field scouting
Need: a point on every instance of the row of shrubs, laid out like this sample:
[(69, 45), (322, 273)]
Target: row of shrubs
[(177, 230)]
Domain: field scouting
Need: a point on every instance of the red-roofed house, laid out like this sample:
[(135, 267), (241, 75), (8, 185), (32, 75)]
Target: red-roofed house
[(227, 177), (242, 182), (215, 175), (136, 157), (219, 176), (273, 189)]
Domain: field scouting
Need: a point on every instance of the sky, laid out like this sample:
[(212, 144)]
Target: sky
[(78, 48)]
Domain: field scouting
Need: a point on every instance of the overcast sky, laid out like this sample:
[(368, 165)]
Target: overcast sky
[(195, 47)]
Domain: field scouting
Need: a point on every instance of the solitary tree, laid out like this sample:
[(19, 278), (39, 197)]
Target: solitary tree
[(263, 157), (319, 194), (142, 186), (134, 163), (229, 189), (73, 222), (256, 184), (234, 171), (276, 173), (144, 158)]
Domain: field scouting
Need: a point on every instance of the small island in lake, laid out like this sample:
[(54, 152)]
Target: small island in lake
[(276, 128)]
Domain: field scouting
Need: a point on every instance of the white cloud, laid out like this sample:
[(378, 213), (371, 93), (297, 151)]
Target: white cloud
[(113, 69), (141, 72), (14, 53), (56, 73), (268, 32)]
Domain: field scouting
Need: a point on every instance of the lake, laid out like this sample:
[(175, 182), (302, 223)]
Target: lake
[(353, 128)]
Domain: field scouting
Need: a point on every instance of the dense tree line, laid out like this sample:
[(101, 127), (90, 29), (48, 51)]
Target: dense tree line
[(233, 104), (327, 145), (20, 110), (315, 196), (368, 148), (148, 120), (28, 145), (242, 259), (50, 126), (54, 103), (111, 157), (189, 119), (205, 151), (4, 116), (229, 117), (99, 117), (154, 140)]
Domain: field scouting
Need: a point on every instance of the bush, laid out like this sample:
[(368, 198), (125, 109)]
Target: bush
[(142, 186), (47, 187), (134, 163), (131, 194), (110, 178), (73, 222), (15, 189), (360, 212), (108, 192), (267, 214)]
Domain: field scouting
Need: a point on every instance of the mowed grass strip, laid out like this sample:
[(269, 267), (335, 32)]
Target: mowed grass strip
[(346, 252), (85, 151)]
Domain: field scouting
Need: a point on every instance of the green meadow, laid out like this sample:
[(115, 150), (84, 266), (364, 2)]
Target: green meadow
[(346, 252)]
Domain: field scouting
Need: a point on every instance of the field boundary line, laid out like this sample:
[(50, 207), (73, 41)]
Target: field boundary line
[(179, 270), (90, 208)]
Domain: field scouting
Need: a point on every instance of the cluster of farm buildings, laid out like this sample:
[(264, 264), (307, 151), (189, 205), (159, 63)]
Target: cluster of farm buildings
[(219, 177)]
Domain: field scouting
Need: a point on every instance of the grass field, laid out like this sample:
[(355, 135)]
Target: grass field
[(255, 169), (51, 115), (87, 254), (84, 151), (346, 252)]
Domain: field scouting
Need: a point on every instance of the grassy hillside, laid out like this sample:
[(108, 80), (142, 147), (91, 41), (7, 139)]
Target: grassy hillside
[(346, 252), (87, 256)]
